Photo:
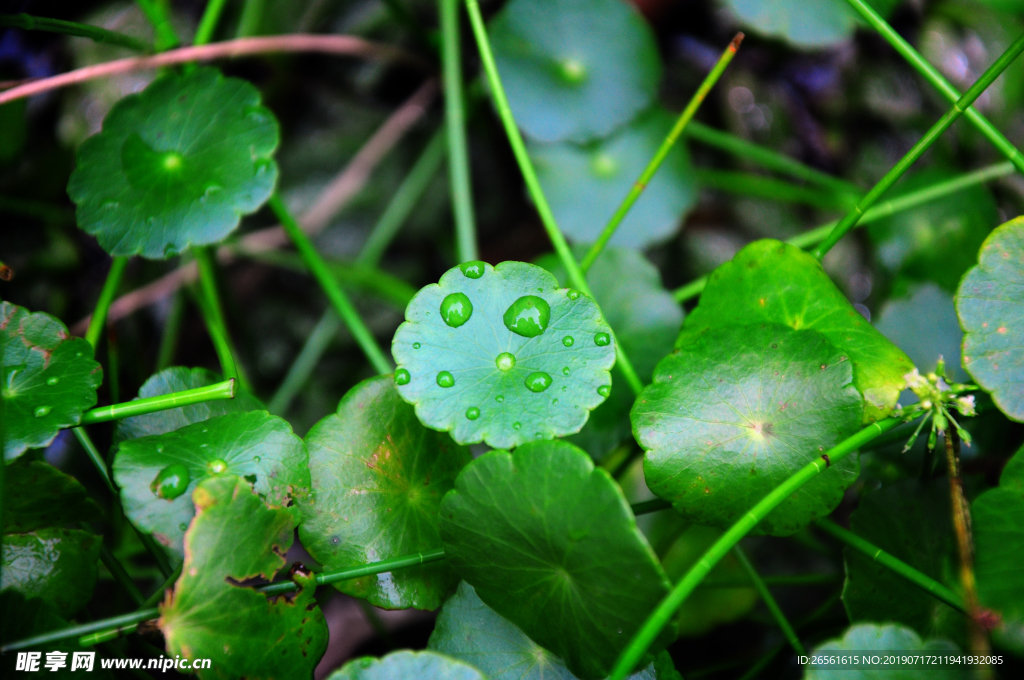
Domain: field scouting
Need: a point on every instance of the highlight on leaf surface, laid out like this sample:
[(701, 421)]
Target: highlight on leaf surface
[(575, 69), (378, 476), (158, 473), (502, 355), (234, 538), (822, 25), (585, 184), (53, 564), (549, 543), (990, 303), (176, 165), (48, 378), (735, 411), (405, 665), (770, 281), (884, 638)]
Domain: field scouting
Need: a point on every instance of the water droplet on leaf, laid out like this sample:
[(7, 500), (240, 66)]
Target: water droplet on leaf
[(602, 339), (604, 166), (415, 345), (170, 482), (565, 371), (472, 270), (472, 413), (538, 382), (505, 361), (183, 526), (402, 377), (53, 381), (445, 379), (572, 71), (41, 411), (528, 316), (604, 390), (499, 399), (456, 309), (516, 426), (255, 459), (572, 294), (216, 466), (568, 341)]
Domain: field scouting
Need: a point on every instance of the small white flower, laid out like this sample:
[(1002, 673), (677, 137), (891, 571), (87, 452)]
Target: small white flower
[(915, 380), (966, 405)]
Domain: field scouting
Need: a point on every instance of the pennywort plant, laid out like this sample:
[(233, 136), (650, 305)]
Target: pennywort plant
[(576, 475)]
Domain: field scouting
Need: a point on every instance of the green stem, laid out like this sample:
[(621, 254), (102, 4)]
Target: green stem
[(138, 407), (893, 564), (208, 23), (455, 118), (252, 16), (770, 188), (769, 601), (172, 327), (932, 75), (342, 305), (929, 138), (663, 151), (157, 13), (213, 314), (309, 356), (880, 211), (767, 158), (116, 623), (668, 607), (110, 286), (119, 574), (94, 33), (327, 577), (113, 367), (775, 581), (547, 218), (647, 507), (158, 594)]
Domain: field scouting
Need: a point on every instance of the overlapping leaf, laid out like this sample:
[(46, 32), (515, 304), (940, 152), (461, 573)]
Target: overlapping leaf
[(890, 638), (585, 184), (823, 24), (46, 497), (990, 303), (235, 537), (550, 544), (735, 411), (405, 665), (574, 69), (928, 306), (48, 378), (176, 165), (377, 478), (503, 355), (158, 473), (52, 564), (778, 283)]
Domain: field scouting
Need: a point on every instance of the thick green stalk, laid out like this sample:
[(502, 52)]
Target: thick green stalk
[(119, 574), (342, 305), (769, 601), (666, 146), (880, 211), (772, 189), (932, 75), (767, 158), (455, 121), (94, 33), (214, 315), (929, 138), (208, 23), (668, 607), (159, 16), (893, 564), (172, 327), (309, 356), (113, 367), (540, 202), (113, 623), (138, 407), (327, 577), (110, 286), (252, 16)]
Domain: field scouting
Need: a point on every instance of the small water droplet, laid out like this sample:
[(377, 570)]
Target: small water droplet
[(572, 71), (41, 411), (183, 526), (528, 316), (159, 449), (572, 294), (53, 381), (217, 466), (554, 401), (255, 459), (472, 413), (415, 345), (473, 270), (445, 379), (602, 339), (565, 371), (604, 390), (170, 482), (169, 250), (505, 361), (499, 399), (538, 381), (402, 377), (516, 426), (456, 309)]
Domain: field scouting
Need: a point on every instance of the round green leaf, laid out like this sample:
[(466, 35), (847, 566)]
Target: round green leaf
[(779, 283), (406, 665), (176, 165), (550, 543), (585, 184), (235, 537), (55, 565), (49, 378), (990, 303), (470, 631), (735, 411), (256, 446), (882, 639), (530, 362), (575, 69), (46, 497), (925, 306), (377, 478), (912, 522), (179, 379), (820, 25)]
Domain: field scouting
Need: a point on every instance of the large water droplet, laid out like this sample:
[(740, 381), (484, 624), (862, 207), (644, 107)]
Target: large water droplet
[(445, 379), (456, 309), (528, 316), (568, 341), (53, 381), (472, 413), (473, 270), (170, 482), (41, 411), (538, 382), (505, 361), (499, 399), (217, 466), (602, 339), (604, 390), (415, 345), (402, 377)]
